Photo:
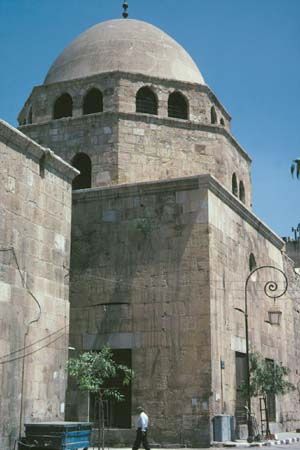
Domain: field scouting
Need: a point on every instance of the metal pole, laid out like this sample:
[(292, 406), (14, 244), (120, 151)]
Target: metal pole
[(22, 386), (249, 421), (270, 288)]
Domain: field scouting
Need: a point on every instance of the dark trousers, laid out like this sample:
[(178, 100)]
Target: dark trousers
[(141, 437)]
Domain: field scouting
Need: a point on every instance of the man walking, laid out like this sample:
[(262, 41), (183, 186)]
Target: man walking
[(141, 432)]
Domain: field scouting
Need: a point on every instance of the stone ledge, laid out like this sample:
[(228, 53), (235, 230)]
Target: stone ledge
[(257, 444), (186, 124), (20, 142), (148, 118), (180, 184)]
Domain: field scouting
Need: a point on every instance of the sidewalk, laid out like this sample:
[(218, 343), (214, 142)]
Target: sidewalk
[(282, 439)]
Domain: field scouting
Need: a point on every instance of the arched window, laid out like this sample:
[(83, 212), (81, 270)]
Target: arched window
[(252, 262), (213, 115), (177, 106), (29, 117), (222, 122), (82, 162), (146, 101), (93, 102), (234, 185), (242, 192), (63, 107)]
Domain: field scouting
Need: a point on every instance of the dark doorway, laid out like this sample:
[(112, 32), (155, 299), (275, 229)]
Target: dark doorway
[(240, 377), (116, 414), (82, 162)]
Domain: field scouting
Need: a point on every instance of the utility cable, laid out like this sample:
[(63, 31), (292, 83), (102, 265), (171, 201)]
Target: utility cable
[(31, 353), (32, 344), (11, 249)]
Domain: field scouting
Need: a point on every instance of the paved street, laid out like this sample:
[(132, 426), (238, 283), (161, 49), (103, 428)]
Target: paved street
[(295, 446), (292, 446)]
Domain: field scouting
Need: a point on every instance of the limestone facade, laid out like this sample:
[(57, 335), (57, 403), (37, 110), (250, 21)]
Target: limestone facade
[(159, 268), (35, 221)]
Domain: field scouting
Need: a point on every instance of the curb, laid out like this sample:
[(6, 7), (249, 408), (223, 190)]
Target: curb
[(286, 441), (283, 441)]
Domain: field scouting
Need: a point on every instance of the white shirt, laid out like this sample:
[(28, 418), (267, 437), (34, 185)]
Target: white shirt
[(143, 421)]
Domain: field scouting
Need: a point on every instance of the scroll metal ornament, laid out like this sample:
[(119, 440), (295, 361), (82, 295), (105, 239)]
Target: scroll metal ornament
[(271, 288)]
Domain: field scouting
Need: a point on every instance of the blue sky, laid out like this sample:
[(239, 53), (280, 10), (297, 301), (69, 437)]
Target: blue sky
[(247, 50)]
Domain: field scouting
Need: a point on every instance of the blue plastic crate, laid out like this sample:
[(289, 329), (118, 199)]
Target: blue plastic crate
[(58, 435)]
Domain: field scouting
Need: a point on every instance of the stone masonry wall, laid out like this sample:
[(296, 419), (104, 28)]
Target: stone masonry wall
[(232, 240), (149, 148), (146, 245), (35, 215), (96, 135)]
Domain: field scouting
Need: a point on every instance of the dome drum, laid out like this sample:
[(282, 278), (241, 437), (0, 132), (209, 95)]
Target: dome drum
[(118, 92)]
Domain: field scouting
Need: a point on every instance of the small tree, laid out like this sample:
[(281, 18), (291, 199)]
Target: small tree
[(266, 378), (94, 371)]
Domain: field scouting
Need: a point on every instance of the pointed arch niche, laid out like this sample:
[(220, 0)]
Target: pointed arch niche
[(63, 107), (178, 106), (93, 102), (83, 163), (242, 192), (252, 262), (234, 185), (213, 115), (146, 101)]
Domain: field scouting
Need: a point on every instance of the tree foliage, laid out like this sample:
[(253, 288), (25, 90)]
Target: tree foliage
[(266, 378), (95, 372)]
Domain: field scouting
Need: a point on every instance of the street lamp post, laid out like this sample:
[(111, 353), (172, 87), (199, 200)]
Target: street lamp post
[(271, 291)]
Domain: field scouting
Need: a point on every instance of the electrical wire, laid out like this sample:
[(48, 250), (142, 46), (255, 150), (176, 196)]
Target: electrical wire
[(32, 344), (33, 352), (11, 249)]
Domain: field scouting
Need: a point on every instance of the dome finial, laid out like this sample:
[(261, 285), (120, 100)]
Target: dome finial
[(125, 7)]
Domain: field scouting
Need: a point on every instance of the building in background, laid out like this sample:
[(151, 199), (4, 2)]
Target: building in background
[(292, 246)]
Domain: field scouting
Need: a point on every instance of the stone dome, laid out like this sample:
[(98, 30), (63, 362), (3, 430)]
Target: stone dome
[(124, 45)]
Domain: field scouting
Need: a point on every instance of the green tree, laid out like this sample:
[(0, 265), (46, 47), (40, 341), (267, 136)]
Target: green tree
[(295, 167), (94, 372), (266, 378)]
